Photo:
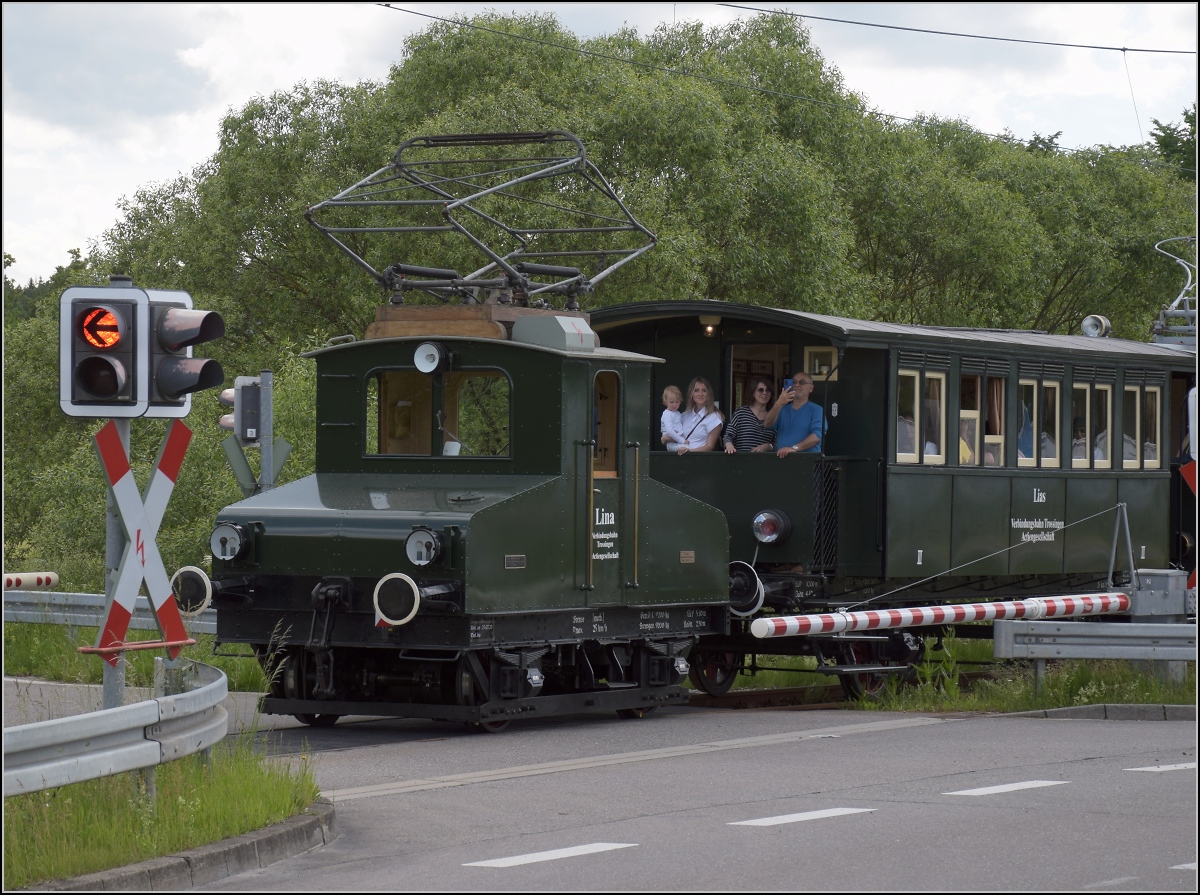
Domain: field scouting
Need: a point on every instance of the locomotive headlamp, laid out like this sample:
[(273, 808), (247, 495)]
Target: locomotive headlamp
[(771, 527), (424, 547), (431, 357), (229, 541), (193, 591), (396, 600)]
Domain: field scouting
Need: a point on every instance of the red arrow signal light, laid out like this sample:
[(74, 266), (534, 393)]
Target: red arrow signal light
[(101, 327)]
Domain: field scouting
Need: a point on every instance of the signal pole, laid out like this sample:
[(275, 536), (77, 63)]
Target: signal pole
[(113, 690)]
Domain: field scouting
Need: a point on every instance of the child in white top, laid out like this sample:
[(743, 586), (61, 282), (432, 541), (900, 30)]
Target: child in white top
[(672, 425)]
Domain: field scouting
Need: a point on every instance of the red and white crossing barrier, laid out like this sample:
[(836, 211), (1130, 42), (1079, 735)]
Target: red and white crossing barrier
[(141, 519), (30, 580), (879, 619)]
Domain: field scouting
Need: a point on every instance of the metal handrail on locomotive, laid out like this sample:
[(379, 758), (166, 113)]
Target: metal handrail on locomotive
[(495, 529)]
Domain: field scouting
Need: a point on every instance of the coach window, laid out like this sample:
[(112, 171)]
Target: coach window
[(1048, 424), (933, 419), (1151, 401), (1037, 438), (1081, 426), (1102, 426), (907, 416), (1131, 429), (993, 421), (1027, 399), (968, 421)]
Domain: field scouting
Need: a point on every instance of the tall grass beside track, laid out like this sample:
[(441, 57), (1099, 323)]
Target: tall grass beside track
[(940, 684)]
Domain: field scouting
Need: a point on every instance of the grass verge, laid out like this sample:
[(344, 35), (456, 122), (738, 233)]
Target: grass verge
[(51, 653), (99, 824)]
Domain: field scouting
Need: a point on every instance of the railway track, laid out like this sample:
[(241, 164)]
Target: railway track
[(812, 697)]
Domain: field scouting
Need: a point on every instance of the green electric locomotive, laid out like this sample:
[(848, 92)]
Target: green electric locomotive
[(481, 539)]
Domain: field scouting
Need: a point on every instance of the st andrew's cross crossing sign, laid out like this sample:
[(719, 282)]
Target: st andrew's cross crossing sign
[(141, 519)]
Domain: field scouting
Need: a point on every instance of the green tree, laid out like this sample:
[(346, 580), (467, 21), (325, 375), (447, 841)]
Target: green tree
[(1176, 143), (764, 179)]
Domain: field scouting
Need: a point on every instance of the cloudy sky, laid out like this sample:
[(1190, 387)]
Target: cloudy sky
[(100, 99)]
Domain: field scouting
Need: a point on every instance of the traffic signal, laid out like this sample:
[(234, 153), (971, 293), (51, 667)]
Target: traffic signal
[(174, 327), (246, 400), (101, 351)]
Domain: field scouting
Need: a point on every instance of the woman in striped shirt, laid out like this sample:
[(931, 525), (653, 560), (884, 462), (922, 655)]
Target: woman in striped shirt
[(746, 432)]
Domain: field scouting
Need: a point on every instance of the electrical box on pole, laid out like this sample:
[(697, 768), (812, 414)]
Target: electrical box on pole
[(246, 420)]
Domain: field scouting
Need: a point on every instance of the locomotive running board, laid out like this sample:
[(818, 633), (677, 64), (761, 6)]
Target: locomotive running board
[(508, 709)]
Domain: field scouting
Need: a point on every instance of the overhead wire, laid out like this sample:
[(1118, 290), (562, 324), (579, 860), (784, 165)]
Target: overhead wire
[(726, 82), (1018, 40)]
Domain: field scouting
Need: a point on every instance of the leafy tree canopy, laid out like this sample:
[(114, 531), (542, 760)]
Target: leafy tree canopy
[(765, 180)]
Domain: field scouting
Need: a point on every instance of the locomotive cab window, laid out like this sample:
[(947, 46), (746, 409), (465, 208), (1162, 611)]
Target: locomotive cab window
[(465, 413)]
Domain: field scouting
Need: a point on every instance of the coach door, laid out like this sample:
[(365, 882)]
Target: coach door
[(606, 523)]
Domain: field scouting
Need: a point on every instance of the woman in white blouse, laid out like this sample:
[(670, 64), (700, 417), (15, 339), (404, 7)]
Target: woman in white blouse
[(701, 422)]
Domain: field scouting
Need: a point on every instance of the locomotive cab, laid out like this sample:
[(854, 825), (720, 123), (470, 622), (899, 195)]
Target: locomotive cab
[(481, 536)]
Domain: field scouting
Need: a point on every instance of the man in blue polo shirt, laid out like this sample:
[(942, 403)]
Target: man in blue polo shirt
[(799, 425)]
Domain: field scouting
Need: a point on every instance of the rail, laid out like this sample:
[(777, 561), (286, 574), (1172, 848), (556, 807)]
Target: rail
[(133, 737)]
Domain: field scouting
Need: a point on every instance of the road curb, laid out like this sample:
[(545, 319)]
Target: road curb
[(209, 863), (1109, 712)]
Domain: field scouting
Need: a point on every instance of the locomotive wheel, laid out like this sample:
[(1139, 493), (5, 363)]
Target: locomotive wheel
[(640, 712), (463, 690), (298, 677), (714, 672), (869, 685)]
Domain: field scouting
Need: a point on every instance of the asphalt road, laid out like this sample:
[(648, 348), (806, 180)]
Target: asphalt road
[(775, 800), (714, 799)]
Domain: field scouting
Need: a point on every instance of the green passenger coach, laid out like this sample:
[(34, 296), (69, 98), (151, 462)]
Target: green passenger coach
[(958, 464)]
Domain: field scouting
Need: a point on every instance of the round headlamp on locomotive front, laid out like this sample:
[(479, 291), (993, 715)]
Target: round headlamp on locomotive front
[(229, 541), (771, 527), (424, 547)]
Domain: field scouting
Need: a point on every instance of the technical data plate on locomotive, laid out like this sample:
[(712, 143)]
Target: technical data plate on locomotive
[(598, 624)]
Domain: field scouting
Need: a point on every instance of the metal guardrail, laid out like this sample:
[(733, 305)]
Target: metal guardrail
[(87, 610), (1015, 639), (131, 737)]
